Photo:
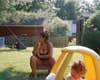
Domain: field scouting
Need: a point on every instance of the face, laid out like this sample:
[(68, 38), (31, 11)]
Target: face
[(41, 39), (75, 74)]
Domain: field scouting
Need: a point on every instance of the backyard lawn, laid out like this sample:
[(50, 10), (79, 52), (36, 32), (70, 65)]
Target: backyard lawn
[(14, 64)]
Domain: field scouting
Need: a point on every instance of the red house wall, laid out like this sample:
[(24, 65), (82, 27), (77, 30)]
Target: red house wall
[(19, 30)]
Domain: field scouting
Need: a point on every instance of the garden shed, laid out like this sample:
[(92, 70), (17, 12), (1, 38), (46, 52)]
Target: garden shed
[(27, 34)]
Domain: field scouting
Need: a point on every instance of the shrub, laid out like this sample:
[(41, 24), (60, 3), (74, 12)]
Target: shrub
[(91, 33), (58, 27)]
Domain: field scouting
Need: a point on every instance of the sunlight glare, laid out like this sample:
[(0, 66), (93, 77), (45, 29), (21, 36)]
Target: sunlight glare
[(89, 1)]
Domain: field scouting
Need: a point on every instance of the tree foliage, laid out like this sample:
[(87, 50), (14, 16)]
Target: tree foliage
[(21, 13), (23, 6), (59, 3), (71, 10), (33, 6), (68, 11), (91, 33), (98, 6), (5, 9), (85, 7)]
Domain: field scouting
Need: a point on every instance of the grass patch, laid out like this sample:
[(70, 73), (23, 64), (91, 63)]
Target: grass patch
[(14, 64)]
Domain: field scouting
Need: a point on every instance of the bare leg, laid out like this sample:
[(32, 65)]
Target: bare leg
[(51, 63), (33, 63)]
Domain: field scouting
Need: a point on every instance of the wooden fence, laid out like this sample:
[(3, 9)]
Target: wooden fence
[(59, 41), (30, 41)]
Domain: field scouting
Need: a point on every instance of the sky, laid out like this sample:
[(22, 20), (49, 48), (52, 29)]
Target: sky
[(90, 1)]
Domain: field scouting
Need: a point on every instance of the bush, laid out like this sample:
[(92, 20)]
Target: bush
[(58, 27), (91, 33)]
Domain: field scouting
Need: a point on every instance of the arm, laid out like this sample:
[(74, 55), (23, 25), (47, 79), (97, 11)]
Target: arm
[(34, 49)]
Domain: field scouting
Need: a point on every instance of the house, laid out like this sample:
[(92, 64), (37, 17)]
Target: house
[(72, 28), (27, 34)]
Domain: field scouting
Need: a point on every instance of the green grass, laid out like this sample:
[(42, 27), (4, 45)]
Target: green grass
[(14, 64)]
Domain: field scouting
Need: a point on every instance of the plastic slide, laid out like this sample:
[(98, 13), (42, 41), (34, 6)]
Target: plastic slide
[(91, 59)]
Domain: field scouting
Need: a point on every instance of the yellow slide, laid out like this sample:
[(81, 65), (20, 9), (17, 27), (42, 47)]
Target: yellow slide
[(91, 59)]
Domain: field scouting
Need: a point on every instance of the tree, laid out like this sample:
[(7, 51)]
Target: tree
[(85, 7), (5, 8), (59, 3), (98, 6), (35, 5), (25, 6), (4, 4), (91, 33), (68, 11), (71, 10), (96, 2)]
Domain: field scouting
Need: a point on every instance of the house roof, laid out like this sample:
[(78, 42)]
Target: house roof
[(21, 25)]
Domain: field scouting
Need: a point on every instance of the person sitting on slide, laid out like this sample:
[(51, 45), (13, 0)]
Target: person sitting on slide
[(78, 70)]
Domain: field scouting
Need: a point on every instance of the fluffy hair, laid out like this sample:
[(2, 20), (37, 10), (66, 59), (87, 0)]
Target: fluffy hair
[(79, 67)]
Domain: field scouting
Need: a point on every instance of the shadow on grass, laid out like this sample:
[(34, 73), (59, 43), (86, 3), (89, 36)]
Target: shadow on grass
[(7, 50), (14, 50), (10, 74)]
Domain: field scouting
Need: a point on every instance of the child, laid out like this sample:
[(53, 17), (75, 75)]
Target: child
[(77, 71)]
